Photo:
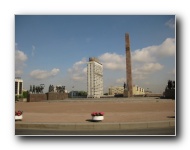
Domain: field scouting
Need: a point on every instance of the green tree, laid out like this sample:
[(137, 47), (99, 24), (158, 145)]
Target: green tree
[(25, 94), (82, 93)]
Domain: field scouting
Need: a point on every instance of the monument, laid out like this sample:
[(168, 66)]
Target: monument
[(57, 93), (128, 91), (36, 93)]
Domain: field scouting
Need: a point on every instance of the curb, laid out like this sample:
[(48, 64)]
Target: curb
[(96, 125)]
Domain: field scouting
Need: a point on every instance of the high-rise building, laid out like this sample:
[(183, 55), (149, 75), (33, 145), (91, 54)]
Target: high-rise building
[(18, 86), (94, 78)]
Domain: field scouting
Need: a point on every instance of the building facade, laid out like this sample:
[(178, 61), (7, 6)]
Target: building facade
[(115, 90), (94, 78), (18, 86), (137, 91)]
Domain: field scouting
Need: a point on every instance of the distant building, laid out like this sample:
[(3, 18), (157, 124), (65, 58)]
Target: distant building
[(77, 94), (73, 94), (18, 86), (115, 90), (94, 78), (138, 90)]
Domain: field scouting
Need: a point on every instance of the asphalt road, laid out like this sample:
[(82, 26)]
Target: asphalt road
[(151, 131)]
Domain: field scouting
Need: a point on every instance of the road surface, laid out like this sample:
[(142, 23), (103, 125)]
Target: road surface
[(150, 131)]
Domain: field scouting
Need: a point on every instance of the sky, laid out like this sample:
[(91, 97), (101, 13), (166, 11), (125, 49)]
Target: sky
[(54, 49)]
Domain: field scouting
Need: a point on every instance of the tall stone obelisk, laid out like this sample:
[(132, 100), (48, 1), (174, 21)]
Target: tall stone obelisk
[(128, 67)]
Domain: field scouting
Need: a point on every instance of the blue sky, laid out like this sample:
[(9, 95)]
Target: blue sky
[(54, 49)]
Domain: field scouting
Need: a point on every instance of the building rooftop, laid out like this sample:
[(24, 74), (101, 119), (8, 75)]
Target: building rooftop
[(94, 59)]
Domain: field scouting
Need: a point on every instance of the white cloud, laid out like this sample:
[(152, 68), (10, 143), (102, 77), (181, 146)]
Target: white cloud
[(112, 61), (151, 67), (145, 69), (170, 23), (153, 53), (167, 48), (20, 58), (78, 70), (43, 74), (146, 60), (143, 55)]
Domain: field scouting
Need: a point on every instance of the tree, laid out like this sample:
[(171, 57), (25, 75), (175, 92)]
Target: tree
[(25, 94), (173, 85), (82, 93), (169, 84)]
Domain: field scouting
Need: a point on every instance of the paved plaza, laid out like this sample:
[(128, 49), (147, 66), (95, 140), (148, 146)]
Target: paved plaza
[(117, 110)]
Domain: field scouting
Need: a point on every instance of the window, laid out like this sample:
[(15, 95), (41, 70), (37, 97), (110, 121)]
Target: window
[(16, 87), (20, 88)]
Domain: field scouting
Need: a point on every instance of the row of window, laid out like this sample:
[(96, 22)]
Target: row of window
[(140, 89), (18, 88)]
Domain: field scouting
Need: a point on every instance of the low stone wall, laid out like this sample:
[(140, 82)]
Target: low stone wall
[(46, 96), (56, 96), (36, 97)]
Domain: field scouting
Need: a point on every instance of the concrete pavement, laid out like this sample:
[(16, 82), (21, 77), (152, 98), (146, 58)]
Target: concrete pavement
[(136, 113)]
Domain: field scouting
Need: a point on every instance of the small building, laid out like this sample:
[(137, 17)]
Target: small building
[(137, 91), (77, 94), (18, 86)]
